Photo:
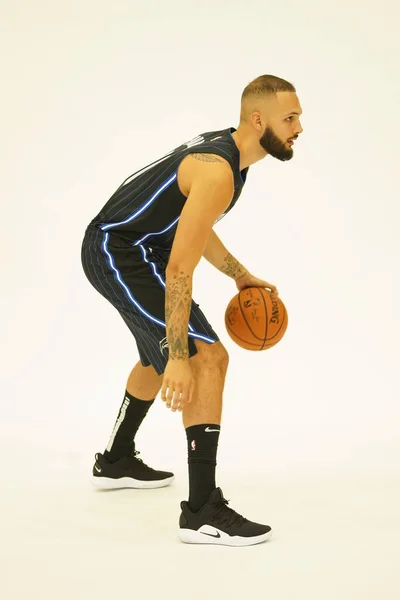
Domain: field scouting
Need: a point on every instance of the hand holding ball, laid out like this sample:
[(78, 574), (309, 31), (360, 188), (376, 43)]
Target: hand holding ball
[(256, 319)]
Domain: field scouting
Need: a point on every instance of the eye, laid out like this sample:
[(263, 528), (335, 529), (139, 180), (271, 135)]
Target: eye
[(289, 118)]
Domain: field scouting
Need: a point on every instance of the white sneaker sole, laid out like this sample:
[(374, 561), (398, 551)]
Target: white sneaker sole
[(190, 536), (107, 483)]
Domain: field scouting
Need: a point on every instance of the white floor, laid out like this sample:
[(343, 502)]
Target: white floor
[(335, 539)]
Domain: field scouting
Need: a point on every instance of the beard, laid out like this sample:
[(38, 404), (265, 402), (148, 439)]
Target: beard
[(274, 146)]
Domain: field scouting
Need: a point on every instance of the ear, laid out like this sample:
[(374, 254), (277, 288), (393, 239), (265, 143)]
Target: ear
[(257, 121)]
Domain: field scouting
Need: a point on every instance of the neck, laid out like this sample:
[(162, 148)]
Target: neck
[(250, 149)]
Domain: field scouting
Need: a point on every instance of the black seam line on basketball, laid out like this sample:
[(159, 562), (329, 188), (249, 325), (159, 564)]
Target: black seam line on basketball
[(248, 325), (273, 344), (257, 347), (239, 338), (266, 320), (282, 324)]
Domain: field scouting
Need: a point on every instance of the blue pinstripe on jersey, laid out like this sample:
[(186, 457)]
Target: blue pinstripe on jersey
[(144, 207), (128, 293), (117, 275)]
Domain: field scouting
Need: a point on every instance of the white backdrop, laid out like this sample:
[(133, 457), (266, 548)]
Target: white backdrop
[(93, 91)]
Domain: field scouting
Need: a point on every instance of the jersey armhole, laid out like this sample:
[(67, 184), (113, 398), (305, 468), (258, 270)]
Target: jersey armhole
[(217, 151), (195, 150)]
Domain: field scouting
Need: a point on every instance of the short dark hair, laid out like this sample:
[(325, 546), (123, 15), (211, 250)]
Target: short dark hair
[(264, 85)]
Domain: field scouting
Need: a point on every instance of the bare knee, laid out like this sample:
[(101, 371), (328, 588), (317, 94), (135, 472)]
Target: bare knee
[(211, 356)]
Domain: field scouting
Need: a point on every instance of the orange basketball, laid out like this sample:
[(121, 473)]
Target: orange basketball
[(256, 319)]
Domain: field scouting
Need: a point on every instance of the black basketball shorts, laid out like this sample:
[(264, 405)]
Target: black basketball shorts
[(132, 279)]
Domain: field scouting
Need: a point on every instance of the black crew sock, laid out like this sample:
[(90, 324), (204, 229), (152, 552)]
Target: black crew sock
[(202, 443), (130, 417)]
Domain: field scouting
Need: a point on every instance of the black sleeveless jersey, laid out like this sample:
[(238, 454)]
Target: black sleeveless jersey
[(145, 209)]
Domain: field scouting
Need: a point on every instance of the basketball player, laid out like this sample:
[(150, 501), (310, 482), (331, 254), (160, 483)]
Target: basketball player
[(140, 252)]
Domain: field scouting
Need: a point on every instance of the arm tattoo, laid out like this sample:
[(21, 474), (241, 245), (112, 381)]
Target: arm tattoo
[(178, 301), (232, 267), (207, 157)]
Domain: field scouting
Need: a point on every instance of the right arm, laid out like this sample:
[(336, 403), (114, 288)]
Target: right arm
[(210, 193)]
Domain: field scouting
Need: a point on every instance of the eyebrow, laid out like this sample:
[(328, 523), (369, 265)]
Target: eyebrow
[(294, 113)]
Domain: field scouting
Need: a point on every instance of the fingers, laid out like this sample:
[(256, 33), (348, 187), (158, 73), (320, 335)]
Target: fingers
[(169, 397), (272, 288), (174, 397), (176, 402), (268, 286)]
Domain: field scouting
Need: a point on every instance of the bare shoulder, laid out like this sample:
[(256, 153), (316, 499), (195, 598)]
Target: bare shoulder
[(202, 165)]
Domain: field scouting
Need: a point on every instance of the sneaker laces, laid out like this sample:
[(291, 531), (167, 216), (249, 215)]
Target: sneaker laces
[(135, 457), (227, 515)]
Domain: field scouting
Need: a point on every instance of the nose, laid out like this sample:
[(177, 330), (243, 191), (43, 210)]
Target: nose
[(299, 129)]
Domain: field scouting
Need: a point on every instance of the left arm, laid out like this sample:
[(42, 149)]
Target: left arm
[(216, 254)]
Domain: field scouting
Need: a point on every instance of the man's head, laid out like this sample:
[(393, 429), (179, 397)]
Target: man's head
[(270, 111)]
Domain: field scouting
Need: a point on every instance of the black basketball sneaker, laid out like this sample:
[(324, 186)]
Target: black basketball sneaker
[(216, 523), (128, 472)]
